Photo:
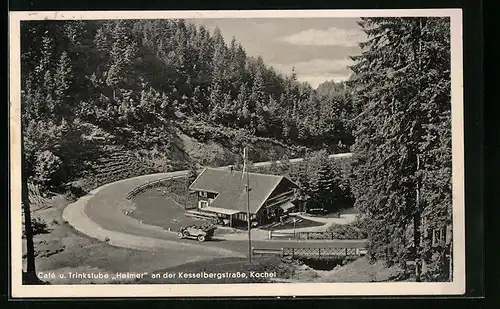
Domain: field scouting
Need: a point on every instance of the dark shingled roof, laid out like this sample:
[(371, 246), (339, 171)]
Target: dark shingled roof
[(231, 188)]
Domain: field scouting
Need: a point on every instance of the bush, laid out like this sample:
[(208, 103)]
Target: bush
[(49, 170), (38, 226), (349, 231)]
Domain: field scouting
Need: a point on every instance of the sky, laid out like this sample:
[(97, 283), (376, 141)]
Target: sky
[(318, 48)]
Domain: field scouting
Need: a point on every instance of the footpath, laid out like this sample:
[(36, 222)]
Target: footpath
[(260, 234)]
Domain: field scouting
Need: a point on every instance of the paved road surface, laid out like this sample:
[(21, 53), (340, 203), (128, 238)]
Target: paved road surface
[(296, 160), (101, 215)]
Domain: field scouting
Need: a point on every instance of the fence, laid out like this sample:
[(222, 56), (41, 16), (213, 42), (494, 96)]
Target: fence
[(313, 253), (321, 253), (315, 235), (151, 184), (281, 235)]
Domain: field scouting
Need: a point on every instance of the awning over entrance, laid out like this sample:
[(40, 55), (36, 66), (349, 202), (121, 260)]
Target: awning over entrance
[(221, 210), (287, 206)]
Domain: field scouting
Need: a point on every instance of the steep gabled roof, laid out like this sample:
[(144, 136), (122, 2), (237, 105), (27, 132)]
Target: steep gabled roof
[(230, 185)]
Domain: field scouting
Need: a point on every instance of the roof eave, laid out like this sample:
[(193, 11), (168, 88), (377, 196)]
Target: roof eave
[(196, 179)]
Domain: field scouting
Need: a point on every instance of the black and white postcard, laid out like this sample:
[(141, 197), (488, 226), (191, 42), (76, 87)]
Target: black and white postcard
[(237, 153)]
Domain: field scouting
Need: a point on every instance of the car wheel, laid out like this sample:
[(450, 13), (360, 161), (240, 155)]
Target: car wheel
[(201, 238), (179, 235)]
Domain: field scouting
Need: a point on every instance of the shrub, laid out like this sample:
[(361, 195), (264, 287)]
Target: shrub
[(49, 170), (350, 231), (38, 226)]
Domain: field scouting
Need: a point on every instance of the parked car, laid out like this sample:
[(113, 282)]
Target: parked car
[(201, 233)]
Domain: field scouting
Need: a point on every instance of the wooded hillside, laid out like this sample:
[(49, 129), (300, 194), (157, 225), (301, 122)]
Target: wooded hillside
[(98, 90), (106, 100)]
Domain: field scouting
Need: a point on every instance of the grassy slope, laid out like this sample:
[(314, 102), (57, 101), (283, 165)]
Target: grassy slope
[(155, 208), (65, 250), (281, 268), (360, 270)]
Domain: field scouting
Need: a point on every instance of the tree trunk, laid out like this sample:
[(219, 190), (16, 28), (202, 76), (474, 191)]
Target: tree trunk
[(450, 262), (417, 216), (416, 242), (30, 254), (416, 227)]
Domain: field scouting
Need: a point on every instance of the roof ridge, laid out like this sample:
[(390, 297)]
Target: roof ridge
[(251, 173)]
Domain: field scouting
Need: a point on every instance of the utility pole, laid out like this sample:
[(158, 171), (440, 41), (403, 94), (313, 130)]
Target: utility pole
[(247, 186), (186, 199), (294, 222)]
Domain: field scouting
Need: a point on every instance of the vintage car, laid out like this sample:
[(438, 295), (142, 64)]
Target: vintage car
[(201, 233)]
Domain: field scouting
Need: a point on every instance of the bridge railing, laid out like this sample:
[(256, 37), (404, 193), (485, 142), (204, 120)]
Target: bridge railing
[(312, 253), (321, 253), (315, 235), (266, 251)]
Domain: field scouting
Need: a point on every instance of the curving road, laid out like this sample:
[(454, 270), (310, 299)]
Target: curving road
[(100, 215)]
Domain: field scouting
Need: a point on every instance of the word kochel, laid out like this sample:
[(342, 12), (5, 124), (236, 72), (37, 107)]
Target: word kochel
[(219, 275)]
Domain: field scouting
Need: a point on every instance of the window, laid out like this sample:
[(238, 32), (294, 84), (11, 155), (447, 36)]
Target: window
[(203, 194), (203, 204), (211, 195)]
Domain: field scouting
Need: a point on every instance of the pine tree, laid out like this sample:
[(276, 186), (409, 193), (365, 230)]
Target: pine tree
[(241, 106), (63, 79), (219, 60), (123, 52), (216, 97), (46, 57), (258, 103)]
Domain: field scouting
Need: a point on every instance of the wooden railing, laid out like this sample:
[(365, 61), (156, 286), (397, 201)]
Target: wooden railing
[(265, 251), (313, 253), (320, 253), (281, 235), (151, 184)]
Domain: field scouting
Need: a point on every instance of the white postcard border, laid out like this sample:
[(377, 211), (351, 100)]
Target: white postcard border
[(456, 287)]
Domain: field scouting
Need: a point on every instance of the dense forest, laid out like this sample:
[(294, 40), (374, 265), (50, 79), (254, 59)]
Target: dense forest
[(104, 100), (402, 155), (399, 178), (123, 92), (323, 183)]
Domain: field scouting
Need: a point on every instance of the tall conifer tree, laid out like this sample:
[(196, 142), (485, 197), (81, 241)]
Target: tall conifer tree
[(401, 87)]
